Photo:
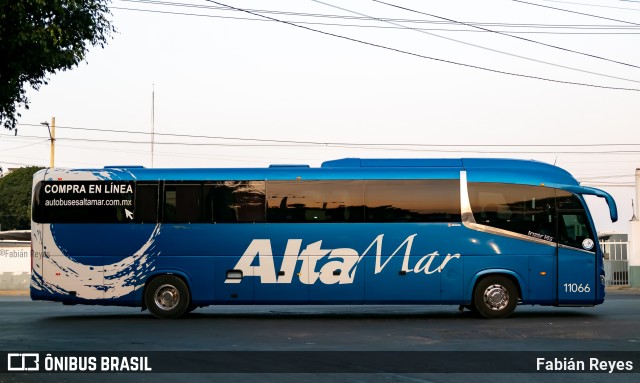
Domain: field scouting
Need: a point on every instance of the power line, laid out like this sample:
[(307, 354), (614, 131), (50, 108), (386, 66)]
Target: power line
[(608, 171), (578, 13), (19, 163), (593, 5), (173, 154), (611, 185), (391, 26), (199, 136), (487, 48), (628, 175), (635, 152), (345, 17), (422, 30), (380, 147), (433, 58), (506, 34), (13, 138), (24, 146), (597, 162)]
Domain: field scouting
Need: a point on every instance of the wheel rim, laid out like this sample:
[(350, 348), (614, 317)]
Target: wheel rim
[(166, 297), (496, 297)]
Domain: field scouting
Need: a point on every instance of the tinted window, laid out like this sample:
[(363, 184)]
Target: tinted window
[(182, 203), (146, 210), (573, 225), (568, 201), (234, 201), (314, 201), (412, 201), (528, 210), (573, 229)]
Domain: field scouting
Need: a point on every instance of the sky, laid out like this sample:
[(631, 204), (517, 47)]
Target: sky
[(351, 78)]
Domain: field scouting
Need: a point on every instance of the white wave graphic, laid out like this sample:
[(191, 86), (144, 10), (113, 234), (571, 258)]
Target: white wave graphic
[(59, 274), (62, 274)]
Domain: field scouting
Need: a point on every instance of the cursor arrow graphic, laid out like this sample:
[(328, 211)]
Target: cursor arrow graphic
[(128, 213)]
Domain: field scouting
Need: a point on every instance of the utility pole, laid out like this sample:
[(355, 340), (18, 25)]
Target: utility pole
[(52, 137)]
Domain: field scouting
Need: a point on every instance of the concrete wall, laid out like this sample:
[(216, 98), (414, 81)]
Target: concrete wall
[(15, 265), (634, 256)]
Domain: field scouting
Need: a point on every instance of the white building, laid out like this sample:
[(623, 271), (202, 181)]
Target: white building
[(15, 260)]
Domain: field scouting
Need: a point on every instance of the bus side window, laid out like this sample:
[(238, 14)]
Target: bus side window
[(412, 200), (573, 225), (234, 201), (182, 203), (37, 210), (522, 209), (218, 204), (314, 201), (146, 204)]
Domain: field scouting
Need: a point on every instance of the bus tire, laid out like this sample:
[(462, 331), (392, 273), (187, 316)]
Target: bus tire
[(495, 297), (167, 297)]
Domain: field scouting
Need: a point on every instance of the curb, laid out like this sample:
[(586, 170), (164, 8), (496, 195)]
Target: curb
[(622, 289)]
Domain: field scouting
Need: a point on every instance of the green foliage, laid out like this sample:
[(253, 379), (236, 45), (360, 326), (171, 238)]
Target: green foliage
[(40, 37), (15, 199)]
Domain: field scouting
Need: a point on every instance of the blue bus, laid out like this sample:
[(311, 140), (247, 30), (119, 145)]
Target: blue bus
[(484, 234)]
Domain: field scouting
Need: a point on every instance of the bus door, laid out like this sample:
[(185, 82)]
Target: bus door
[(577, 266)]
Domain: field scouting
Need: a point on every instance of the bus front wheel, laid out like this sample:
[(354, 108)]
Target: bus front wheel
[(167, 297), (495, 297)]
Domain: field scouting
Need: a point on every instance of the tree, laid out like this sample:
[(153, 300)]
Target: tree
[(40, 37), (15, 199)]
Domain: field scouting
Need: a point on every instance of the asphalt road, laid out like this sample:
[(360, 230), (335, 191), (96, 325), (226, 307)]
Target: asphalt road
[(309, 338)]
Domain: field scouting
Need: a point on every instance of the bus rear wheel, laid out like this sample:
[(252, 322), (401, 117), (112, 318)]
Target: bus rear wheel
[(167, 297), (495, 297)]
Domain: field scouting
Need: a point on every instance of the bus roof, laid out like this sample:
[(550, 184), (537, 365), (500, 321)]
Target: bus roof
[(478, 170)]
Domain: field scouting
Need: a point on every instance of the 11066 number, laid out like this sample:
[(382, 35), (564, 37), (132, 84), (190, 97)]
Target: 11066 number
[(576, 288)]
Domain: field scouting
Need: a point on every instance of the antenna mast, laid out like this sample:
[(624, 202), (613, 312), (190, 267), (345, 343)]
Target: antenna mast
[(153, 119)]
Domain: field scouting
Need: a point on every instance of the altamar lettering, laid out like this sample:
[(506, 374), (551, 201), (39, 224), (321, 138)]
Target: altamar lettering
[(344, 260)]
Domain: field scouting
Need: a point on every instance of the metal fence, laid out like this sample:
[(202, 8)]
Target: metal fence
[(616, 266)]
